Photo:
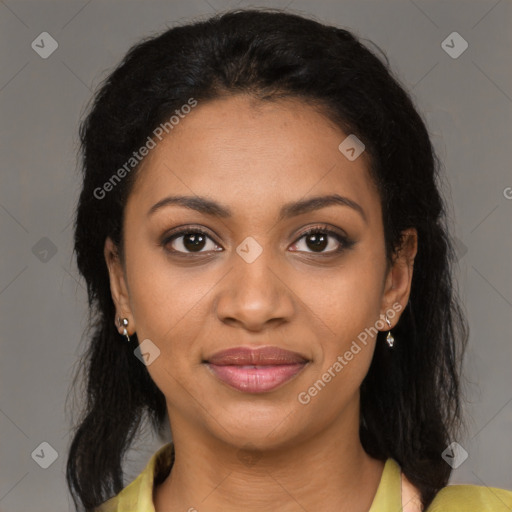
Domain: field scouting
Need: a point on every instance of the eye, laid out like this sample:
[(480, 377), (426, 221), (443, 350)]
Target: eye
[(322, 241), (319, 239), (190, 241)]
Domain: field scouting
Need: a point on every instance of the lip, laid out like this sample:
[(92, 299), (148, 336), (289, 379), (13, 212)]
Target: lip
[(256, 370)]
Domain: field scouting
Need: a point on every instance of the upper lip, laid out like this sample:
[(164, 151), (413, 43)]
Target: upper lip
[(256, 356)]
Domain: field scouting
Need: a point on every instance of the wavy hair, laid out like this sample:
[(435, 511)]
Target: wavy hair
[(411, 397)]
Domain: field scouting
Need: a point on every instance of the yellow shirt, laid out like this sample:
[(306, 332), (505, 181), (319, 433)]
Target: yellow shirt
[(138, 495)]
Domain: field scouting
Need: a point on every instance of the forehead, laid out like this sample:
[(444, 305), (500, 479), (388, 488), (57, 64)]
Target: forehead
[(252, 154)]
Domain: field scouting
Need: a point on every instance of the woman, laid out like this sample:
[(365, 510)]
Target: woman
[(269, 270)]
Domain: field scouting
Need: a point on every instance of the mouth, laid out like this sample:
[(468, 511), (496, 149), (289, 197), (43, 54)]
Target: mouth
[(256, 370)]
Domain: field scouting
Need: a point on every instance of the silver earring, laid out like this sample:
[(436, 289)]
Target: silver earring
[(389, 338), (124, 323)]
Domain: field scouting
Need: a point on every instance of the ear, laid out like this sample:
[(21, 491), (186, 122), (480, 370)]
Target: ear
[(118, 286), (397, 287)]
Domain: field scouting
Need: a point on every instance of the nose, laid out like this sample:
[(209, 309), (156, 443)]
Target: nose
[(253, 295)]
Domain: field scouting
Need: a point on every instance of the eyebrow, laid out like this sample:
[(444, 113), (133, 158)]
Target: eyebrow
[(209, 207)]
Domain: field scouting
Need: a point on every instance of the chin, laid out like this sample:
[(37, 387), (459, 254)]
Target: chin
[(265, 426)]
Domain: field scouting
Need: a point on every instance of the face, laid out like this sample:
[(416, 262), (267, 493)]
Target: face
[(235, 267)]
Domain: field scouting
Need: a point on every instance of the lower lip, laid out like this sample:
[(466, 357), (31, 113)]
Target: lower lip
[(256, 380)]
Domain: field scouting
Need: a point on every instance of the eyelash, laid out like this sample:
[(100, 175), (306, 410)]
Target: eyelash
[(345, 242)]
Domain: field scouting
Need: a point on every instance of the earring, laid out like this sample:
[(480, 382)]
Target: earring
[(389, 338), (124, 323)]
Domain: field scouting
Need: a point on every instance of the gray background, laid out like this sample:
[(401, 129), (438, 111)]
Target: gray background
[(467, 103)]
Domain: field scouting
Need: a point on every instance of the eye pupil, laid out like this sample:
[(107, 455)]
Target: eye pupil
[(193, 241), (318, 241)]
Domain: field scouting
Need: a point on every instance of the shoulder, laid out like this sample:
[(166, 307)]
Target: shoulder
[(126, 500), (476, 498), (138, 495)]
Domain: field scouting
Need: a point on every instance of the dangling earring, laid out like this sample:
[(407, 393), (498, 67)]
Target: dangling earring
[(124, 324), (389, 338)]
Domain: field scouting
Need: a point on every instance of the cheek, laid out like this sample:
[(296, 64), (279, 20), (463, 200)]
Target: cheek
[(346, 308), (347, 300), (168, 305), (162, 294), (171, 306)]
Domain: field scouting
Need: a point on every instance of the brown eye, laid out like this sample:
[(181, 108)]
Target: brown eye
[(318, 240), (190, 241)]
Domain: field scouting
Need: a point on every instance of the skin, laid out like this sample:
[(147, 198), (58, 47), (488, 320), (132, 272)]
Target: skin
[(254, 157)]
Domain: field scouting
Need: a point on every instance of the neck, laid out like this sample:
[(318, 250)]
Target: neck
[(329, 471)]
